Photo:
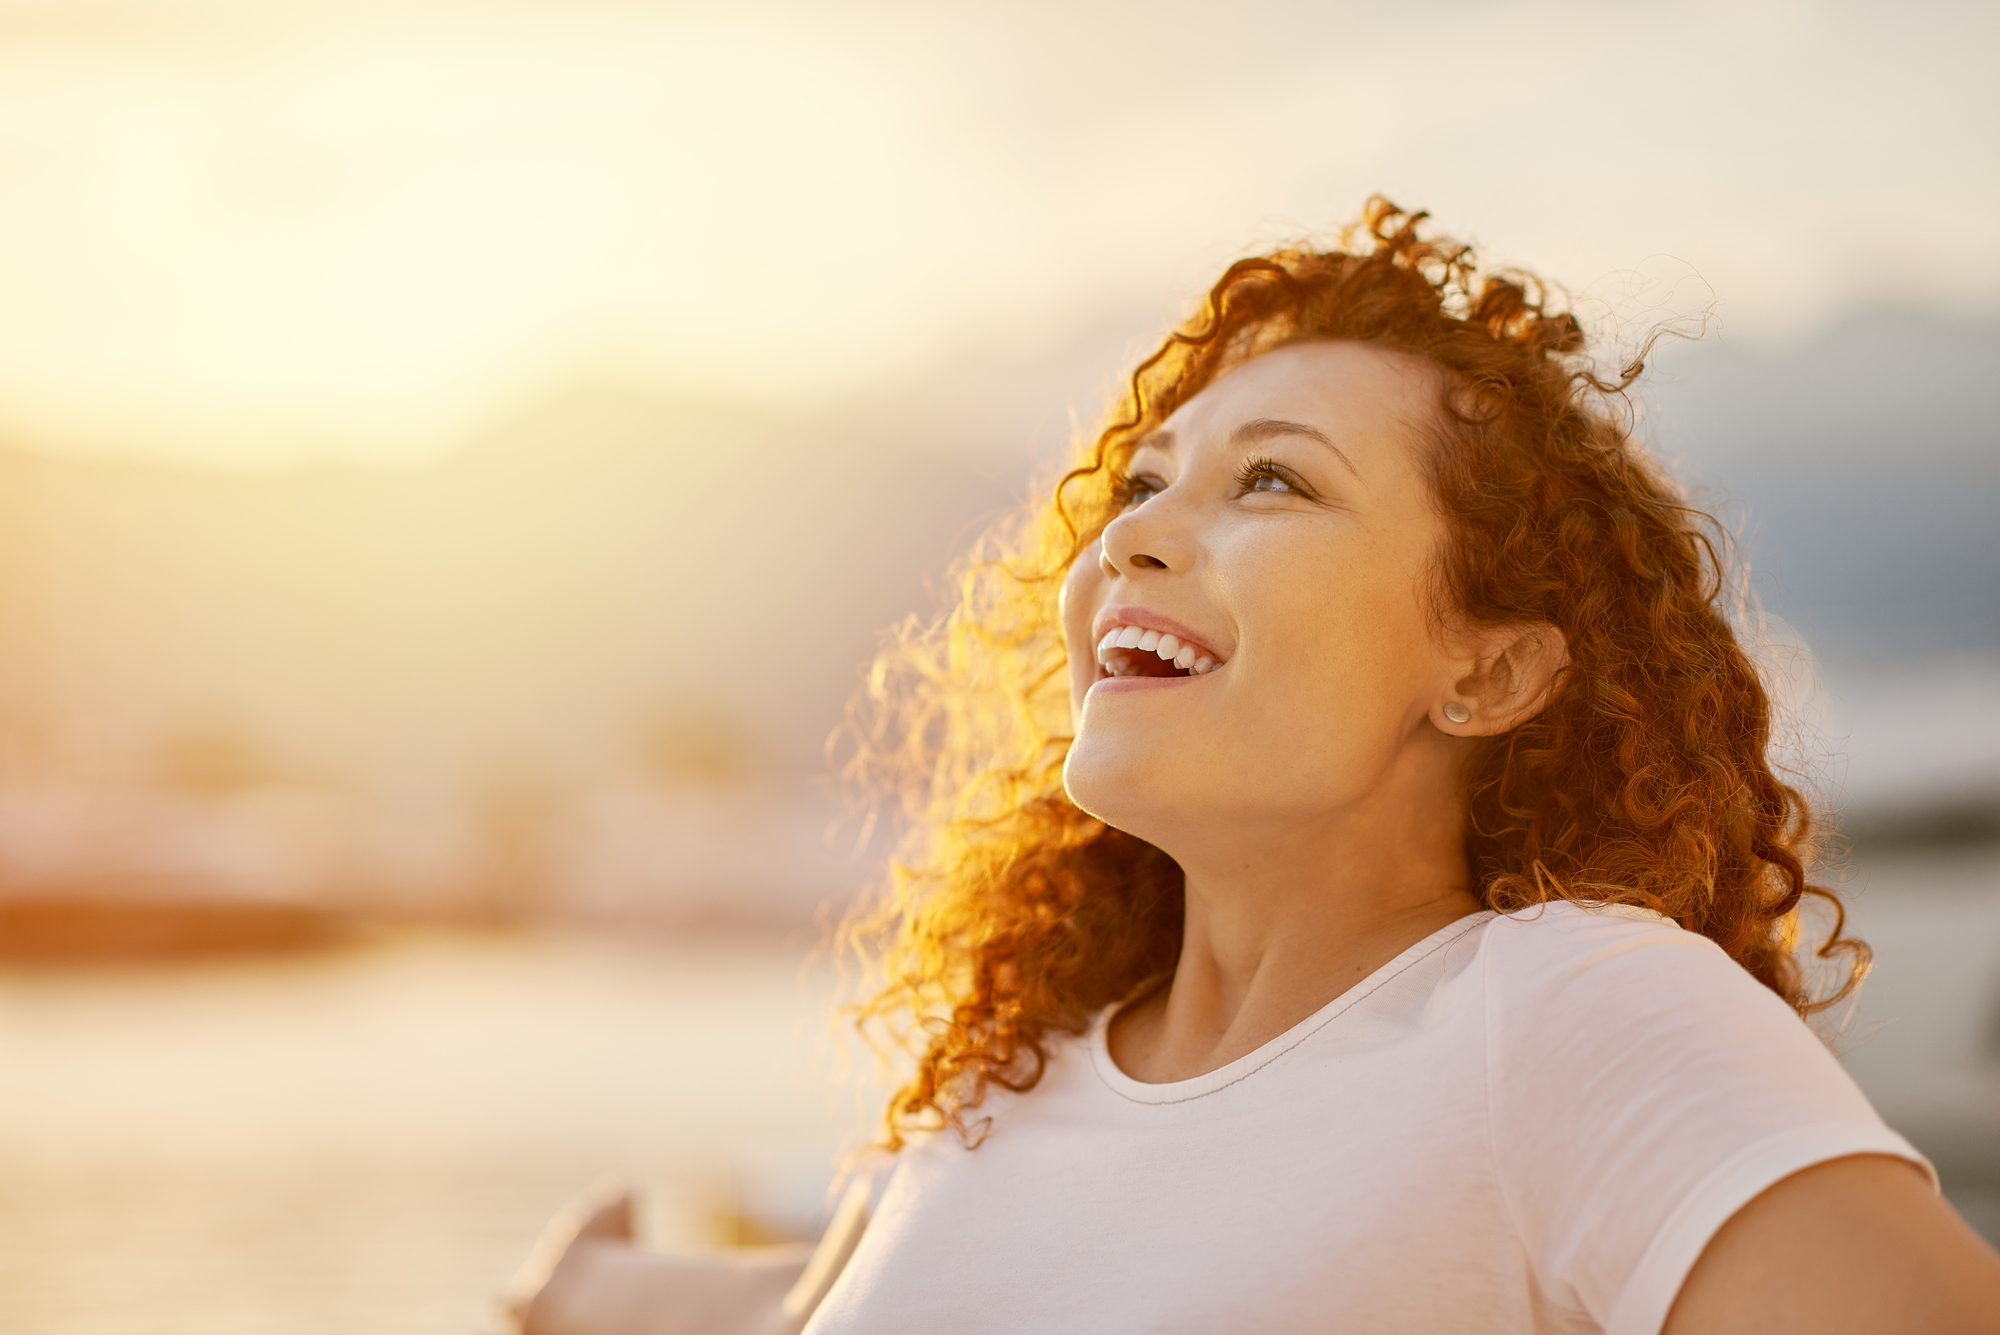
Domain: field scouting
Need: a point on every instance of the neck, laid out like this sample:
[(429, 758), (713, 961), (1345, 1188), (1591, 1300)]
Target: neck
[(1283, 917)]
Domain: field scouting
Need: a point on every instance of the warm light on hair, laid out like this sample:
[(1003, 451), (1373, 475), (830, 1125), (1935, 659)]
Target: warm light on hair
[(1014, 916)]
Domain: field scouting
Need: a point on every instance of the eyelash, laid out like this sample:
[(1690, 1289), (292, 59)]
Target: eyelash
[(1127, 487), (1256, 468), (1131, 488)]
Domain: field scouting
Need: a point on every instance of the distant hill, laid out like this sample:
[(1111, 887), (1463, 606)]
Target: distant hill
[(449, 667), (603, 567), (594, 656), (1864, 468)]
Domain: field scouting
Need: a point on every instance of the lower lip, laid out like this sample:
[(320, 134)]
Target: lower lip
[(1123, 684)]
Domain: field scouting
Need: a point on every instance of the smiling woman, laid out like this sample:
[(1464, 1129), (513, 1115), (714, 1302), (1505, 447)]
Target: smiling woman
[(1351, 891)]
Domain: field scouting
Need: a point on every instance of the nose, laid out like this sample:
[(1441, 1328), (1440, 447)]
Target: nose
[(1147, 537)]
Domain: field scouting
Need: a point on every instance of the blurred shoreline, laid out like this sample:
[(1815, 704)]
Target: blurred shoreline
[(1907, 761)]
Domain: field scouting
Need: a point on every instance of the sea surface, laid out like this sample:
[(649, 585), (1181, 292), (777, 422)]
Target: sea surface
[(371, 1140)]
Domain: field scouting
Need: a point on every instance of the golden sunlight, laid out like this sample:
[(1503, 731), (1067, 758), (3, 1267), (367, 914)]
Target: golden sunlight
[(249, 233)]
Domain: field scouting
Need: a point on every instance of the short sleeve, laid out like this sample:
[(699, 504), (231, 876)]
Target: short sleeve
[(1642, 1088)]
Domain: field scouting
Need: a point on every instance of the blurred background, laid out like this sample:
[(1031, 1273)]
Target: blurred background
[(455, 459)]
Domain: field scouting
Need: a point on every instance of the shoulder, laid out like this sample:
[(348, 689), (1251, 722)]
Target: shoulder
[(1564, 926), (1605, 1015), (1595, 953), (1625, 1002), (1641, 1086)]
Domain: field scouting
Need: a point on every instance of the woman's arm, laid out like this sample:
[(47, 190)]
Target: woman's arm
[(587, 1278), (1860, 1244)]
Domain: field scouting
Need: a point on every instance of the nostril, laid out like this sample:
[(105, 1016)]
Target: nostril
[(1148, 562)]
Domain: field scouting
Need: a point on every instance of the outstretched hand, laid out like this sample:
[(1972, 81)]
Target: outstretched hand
[(556, 1290), (586, 1276)]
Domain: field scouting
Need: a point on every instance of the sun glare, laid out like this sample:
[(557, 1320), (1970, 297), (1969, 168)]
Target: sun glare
[(243, 234)]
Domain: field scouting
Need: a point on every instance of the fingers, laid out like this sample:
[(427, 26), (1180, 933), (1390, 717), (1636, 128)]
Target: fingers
[(607, 1212), (602, 1214)]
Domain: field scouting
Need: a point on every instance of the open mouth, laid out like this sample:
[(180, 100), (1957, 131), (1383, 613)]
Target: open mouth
[(1132, 651)]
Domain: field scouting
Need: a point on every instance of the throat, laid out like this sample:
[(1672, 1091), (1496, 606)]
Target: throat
[(1232, 994)]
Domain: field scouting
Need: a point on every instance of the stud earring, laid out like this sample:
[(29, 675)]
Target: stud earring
[(1457, 712)]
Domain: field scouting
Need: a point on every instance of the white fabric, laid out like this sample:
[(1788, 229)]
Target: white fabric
[(1530, 1123)]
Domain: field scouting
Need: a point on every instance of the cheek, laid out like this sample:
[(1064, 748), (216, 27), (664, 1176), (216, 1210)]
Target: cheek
[(1082, 589), (1340, 650)]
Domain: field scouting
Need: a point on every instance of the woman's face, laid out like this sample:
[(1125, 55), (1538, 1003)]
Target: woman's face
[(1279, 531)]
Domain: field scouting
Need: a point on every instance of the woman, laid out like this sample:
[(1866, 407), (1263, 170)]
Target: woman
[(1356, 895)]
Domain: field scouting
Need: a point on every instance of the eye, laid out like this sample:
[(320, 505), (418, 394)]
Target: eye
[(1135, 489), (1268, 475)]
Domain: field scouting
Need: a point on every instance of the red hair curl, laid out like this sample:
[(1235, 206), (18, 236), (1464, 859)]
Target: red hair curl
[(1014, 916)]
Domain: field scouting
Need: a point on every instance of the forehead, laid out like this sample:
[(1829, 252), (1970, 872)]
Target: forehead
[(1365, 396)]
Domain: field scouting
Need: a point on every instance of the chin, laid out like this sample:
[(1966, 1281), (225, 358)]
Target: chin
[(1124, 787)]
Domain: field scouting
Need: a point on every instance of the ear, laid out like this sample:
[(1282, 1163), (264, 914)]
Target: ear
[(1505, 679)]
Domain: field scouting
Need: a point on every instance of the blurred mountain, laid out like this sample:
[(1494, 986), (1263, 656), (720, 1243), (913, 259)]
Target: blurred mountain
[(1861, 471), (592, 659), (1863, 468), (602, 567), (608, 592)]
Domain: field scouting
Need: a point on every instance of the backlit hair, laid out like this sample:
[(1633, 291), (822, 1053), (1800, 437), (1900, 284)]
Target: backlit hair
[(1013, 916)]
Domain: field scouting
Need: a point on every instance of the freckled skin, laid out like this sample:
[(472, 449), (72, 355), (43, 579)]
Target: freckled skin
[(1331, 668), (1308, 787)]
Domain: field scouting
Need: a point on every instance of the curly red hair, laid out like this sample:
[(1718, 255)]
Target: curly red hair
[(1014, 916)]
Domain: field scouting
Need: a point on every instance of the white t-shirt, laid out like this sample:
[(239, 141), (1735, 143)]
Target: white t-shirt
[(1528, 1123)]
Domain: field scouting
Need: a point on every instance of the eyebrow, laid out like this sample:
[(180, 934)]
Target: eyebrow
[(1264, 428)]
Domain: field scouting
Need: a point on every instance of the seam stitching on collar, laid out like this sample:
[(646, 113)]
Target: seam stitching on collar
[(1475, 920)]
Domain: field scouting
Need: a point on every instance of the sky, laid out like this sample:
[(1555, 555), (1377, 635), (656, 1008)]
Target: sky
[(243, 233)]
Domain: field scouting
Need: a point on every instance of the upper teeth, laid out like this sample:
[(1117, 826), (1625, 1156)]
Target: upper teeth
[(1184, 656)]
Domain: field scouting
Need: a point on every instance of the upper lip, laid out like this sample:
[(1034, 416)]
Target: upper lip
[(1146, 619)]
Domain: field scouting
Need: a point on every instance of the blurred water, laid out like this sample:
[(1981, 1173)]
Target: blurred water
[(370, 1141), (1924, 1040)]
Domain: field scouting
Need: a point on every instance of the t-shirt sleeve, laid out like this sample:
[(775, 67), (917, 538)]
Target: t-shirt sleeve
[(1642, 1088)]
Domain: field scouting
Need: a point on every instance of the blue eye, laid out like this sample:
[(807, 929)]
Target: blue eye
[(1270, 482)]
